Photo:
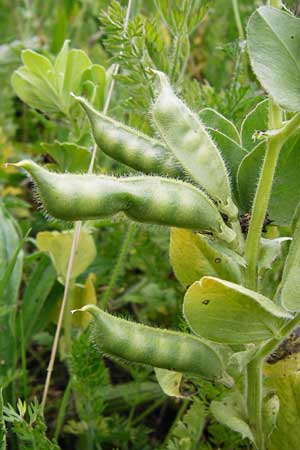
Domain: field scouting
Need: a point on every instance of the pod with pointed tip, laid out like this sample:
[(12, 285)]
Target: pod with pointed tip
[(131, 147), (144, 199), (156, 347), (187, 138)]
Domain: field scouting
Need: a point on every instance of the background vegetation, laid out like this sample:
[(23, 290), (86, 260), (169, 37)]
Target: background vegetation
[(94, 403)]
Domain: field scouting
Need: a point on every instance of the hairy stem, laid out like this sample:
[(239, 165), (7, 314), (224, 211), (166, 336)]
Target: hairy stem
[(254, 394), (77, 230), (238, 21), (272, 344), (259, 210), (254, 400)]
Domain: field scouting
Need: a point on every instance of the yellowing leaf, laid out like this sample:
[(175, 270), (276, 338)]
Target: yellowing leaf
[(284, 378), (169, 381), (83, 295), (58, 245), (194, 256)]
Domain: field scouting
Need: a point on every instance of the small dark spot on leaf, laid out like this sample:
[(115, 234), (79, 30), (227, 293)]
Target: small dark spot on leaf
[(205, 302), (218, 260), (292, 36)]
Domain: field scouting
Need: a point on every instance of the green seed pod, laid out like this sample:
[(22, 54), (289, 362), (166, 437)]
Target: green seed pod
[(131, 147), (143, 199), (164, 349), (190, 143)]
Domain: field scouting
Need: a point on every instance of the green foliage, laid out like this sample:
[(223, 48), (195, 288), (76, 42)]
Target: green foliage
[(216, 139), (11, 258), (231, 411), (90, 377), (187, 431), (28, 423), (2, 425)]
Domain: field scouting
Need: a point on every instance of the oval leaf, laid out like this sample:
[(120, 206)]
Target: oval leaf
[(274, 49), (225, 312), (213, 119)]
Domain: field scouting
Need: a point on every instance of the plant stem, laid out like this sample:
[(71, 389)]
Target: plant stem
[(254, 386), (130, 234), (254, 400), (67, 320), (271, 345), (238, 21), (77, 230), (262, 196)]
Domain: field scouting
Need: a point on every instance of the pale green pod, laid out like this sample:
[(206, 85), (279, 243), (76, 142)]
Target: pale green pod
[(131, 147), (144, 199), (191, 144), (156, 347)]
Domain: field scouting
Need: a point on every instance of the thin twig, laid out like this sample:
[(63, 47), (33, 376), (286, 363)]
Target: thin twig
[(238, 21), (77, 230)]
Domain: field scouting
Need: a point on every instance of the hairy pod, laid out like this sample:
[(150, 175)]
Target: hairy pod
[(190, 143), (144, 199), (165, 349), (131, 147)]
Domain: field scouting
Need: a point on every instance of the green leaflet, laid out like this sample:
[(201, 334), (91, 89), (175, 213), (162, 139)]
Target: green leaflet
[(270, 264), (47, 87), (94, 80), (191, 144), (231, 412), (256, 121), (37, 290), (274, 50), (286, 188), (227, 138), (213, 119), (227, 313), (9, 243), (232, 152), (290, 291), (194, 256), (70, 157)]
